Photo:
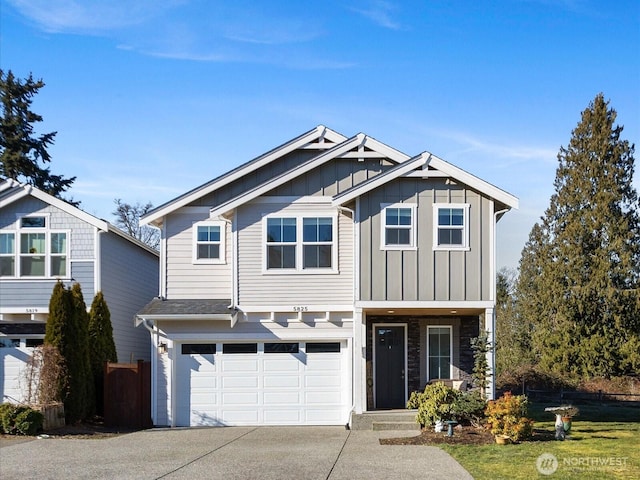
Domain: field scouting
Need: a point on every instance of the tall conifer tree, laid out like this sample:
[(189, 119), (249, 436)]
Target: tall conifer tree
[(23, 154), (102, 346), (580, 269)]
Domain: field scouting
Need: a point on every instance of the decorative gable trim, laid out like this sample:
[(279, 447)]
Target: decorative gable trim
[(319, 138), (375, 182)]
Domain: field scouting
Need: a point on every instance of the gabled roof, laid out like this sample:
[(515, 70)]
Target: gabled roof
[(319, 137), (331, 145), (427, 165), (12, 191)]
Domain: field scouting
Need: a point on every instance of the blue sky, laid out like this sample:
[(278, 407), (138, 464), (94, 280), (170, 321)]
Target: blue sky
[(151, 98)]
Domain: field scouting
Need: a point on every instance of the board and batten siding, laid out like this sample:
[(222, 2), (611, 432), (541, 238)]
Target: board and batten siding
[(129, 280), (184, 279), (425, 274), (259, 288)]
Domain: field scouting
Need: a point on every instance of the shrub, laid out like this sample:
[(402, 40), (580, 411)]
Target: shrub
[(469, 408), (508, 416), (435, 403), (20, 420)]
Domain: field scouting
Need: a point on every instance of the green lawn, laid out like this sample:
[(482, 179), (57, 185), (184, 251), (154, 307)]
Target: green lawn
[(604, 443)]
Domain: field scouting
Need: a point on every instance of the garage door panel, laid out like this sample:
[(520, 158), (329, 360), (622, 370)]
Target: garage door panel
[(231, 417), (240, 382), (318, 362), (282, 416), (248, 365), (320, 397), (281, 398), (325, 381), (282, 365), (281, 381), (239, 398), (208, 382), (324, 416)]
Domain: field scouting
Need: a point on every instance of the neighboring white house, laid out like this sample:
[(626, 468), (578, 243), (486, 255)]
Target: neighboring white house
[(44, 239), (328, 276)]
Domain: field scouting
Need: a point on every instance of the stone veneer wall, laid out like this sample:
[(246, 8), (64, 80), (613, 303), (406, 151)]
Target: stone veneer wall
[(469, 327)]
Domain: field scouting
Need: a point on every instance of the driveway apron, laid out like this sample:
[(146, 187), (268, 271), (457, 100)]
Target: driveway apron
[(322, 453)]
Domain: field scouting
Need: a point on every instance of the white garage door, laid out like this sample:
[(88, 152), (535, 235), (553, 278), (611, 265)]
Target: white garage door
[(14, 355), (262, 383)]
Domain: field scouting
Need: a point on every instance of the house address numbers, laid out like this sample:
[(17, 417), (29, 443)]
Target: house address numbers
[(301, 308)]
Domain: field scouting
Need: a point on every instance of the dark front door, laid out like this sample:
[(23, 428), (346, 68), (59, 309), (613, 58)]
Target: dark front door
[(389, 365)]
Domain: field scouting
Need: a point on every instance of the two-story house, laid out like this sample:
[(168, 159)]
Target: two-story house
[(330, 275), (44, 239)]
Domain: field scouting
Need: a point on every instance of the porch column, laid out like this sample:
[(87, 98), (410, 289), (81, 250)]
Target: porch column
[(359, 363), (490, 327)]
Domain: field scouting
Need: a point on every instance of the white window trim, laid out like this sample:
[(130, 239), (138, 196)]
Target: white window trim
[(412, 229), (299, 244), (465, 227), (17, 254), (450, 328), (223, 243)]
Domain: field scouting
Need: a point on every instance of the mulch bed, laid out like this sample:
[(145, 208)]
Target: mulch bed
[(462, 435)]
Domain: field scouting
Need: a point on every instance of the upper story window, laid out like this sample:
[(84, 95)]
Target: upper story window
[(451, 230), (209, 242), (300, 243), (34, 250), (398, 226)]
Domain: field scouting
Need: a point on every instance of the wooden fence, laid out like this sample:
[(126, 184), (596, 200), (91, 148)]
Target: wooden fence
[(127, 395), (576, 396)]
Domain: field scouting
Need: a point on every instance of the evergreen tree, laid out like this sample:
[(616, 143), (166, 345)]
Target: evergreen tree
[(65, 331), (103, 348), (56, 332), (580, 269), (513, 334), (23, 155), (84, 353)]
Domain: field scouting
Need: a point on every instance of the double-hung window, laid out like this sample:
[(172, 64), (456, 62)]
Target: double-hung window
[(451, 230), (34, 250), (281, 243), (398, 227), (317, 242), (300, 243), (209, 242)]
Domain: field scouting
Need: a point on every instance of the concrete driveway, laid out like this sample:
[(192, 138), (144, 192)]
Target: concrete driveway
[(263, 453)]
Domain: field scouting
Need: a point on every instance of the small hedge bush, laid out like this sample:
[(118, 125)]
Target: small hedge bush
[(439, 402), (20, 419), (508, 416)]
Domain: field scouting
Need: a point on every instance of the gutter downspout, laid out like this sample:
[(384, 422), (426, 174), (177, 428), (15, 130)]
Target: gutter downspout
[(356, 341), (154, 370), (234, 263)]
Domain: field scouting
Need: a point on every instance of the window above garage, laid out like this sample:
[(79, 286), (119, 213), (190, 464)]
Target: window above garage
[(209, 242)]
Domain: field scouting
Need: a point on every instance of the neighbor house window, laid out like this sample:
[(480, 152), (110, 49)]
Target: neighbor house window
[(300, 243), (34, 250), (439, 352), (451, 230), (7, 254), (209, 242), (398, 226)]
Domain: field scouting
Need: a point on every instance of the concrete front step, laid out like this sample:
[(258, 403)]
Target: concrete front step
[(385, 420), (378, 426)]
